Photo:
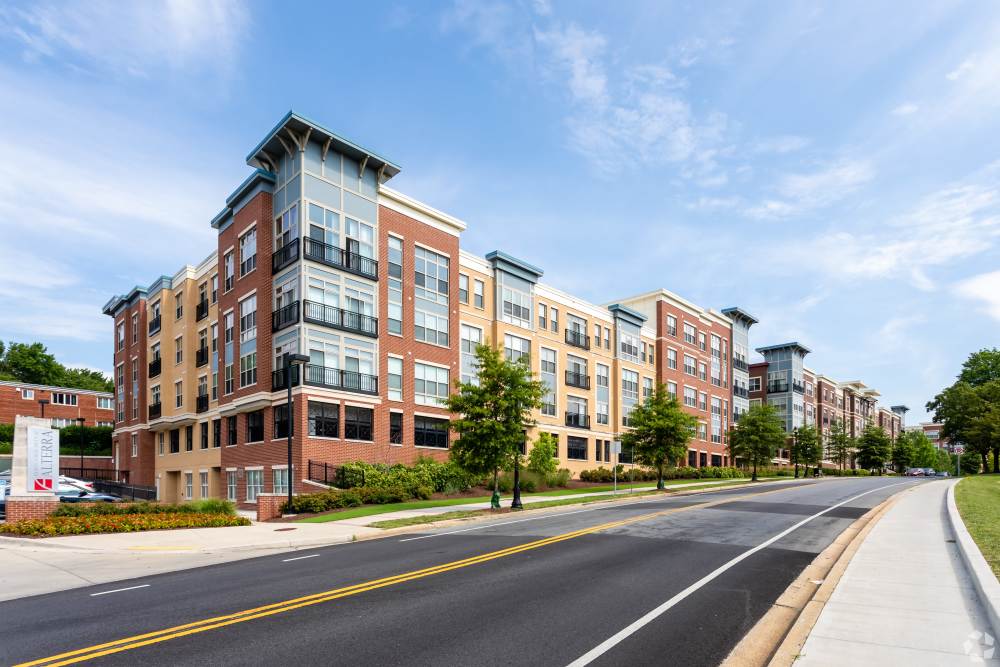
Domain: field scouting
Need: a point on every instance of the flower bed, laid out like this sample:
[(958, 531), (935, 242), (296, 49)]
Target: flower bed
[(118, 523)]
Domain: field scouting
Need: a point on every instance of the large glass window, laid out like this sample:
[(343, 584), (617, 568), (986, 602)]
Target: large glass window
[(630, 393), (286, 227), (430, 303), (255, 484), (430, 432), (395, 428), (248, 319), (248, 252), (515, 348), (324, 419), (430, 384), (515, 300), (603, 382), (357, 423), (576, 448), (548, 377), (628, 341), (248, 369), (395, 285), (279, 480), (471, 337), (395, 365), (255, 426)]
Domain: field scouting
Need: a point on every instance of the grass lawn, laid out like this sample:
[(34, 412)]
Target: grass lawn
[(978, 500)]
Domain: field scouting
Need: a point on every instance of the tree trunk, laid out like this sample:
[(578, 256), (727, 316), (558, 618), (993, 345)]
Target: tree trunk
[(986, 463), (996, 459), (754, 477), (659, 477)]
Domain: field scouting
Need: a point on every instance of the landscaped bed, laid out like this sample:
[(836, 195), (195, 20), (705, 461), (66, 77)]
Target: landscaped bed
[(978, 500)]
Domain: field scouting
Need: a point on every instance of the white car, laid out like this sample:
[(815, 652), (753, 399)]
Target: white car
[(66, 484)]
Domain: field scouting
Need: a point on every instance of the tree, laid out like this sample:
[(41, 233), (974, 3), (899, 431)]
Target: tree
[(493, 414), (757, 436), (84, 378), (660, 432), (806, 447), (969, 463), (969, 409), (944, 461), (874, 448), (542, 457), (924, 453), (903, 453), (840, 442), (32, 363), (981, 367)]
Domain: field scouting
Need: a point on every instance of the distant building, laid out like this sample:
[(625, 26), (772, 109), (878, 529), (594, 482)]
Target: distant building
[(62, 405)]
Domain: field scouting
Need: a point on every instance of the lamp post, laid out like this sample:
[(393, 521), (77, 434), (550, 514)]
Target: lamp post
[(43, 402), (80, 421), (290, 360)]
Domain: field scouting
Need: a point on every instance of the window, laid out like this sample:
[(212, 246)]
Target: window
[(628, 341), (179, 305), (229, 269), (231, 485), (215, 385), (395, 285), (603, 393), (357, 423), (248, 319), (59, 398), (227, 326), (515, 300), (248, 369), (159, 437), (395, 365), (716, 347), (430, 384), (430, 432), (702, 401), (179, 349), (29, 394), (175, 441), (430, 303), (671, 326), (395, 428), (135, 445), (576, 448), (227, 387), (689, 333), (203, 479), (248, 252), (255, 426), (470, 339), (542, 317), (279, 480), (701, 342), (280, 415), (702, 431), (690, 397), (103, 402), (672, 390), (630, 393), (155, 393), (516, 348), (671, 358), (135, 328), (215, 287), (689, 365), (188, 485), (555, 319), (477, 294), (647, 387), (255, 484), (702, 371), (179, 394), (607, 338), (548, 378), (189, 438), (754, 384), (121, 335), (216, 433), (463, 288), (324, 419)]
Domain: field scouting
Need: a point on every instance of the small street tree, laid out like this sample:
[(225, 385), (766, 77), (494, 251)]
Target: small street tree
[(840, 442), (904, 454), (806, 450), (925, 455), (874, 448), (492, 414), (759, 434), (542, 457), (660, 432)]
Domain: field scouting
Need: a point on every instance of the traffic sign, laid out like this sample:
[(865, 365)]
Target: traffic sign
[(959, 449)]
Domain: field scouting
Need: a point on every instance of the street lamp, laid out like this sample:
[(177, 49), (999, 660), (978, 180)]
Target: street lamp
[(291, 359), (81, 421), (43, 402)]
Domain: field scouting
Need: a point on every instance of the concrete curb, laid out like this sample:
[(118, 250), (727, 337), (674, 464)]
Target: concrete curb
[(985, 582)]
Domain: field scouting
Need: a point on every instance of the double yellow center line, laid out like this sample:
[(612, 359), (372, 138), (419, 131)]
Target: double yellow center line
[(137, 641)]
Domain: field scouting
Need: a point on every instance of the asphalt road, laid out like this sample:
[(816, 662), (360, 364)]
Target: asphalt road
[(675, 580)]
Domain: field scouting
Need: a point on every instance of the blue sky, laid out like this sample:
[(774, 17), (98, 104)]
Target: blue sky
[(834, 168)]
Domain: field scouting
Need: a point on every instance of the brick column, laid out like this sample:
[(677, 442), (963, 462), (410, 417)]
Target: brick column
[(21, 508), (269, 505)]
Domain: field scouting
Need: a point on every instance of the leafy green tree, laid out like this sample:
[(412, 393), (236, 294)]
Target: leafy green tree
[(840, 443), (84, 378), (925, 454), (659, 432), (493, 413), (903, 453), (981, 367), (758, 435), (32, 363), (806, 448), (970, 463), (542, 457), (945, 461), (874, 448), (970, 416)]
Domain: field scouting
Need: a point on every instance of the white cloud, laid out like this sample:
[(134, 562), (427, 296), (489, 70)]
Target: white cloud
[(961, 70), (984, 288), (905, 109), (580, 54), (133, 38), (788, 143), (802, 192), (713, 203)]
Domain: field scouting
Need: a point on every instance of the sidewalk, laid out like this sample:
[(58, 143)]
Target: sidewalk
[(905, 598)]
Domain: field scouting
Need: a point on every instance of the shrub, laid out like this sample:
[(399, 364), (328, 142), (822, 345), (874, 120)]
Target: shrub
[(336, 499), (119, 523), (208, 506), (443, 477), (559, 478), (6, 447)]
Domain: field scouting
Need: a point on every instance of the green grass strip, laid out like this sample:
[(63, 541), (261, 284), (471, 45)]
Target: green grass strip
[(978, 500)]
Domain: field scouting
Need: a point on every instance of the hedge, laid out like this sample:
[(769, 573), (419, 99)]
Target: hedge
[(119, 523), (336, 499), (208, 506), (648, 474), (96, 440), (530, 481), (440, 477)]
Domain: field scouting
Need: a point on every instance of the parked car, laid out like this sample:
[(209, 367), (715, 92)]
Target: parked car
[(942, 473), (65, 483), (915, 472), (85, 497), (929, 472)]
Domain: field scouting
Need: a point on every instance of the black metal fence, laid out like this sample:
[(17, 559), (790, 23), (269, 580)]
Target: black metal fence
[(126, 491), (329, 474), (94, 474)]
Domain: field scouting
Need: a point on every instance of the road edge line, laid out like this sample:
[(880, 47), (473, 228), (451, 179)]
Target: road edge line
[(983, 580)]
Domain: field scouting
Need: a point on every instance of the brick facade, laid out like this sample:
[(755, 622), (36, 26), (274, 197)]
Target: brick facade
[(22, 509), (17, 398)]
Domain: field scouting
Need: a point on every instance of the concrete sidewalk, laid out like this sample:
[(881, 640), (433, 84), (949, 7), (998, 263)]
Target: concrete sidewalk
[(905, 598)]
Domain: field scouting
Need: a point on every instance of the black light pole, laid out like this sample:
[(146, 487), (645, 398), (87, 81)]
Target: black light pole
[(81, 421), (291, 359), (515, 504), (43, 402)]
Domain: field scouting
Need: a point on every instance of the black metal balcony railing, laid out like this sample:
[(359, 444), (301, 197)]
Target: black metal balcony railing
[(284, 256), (740, 364), (578, 339), (154, 325), (798, 387), (330, 378), (740, 391), (581, 380), (578, 419), (278, 378), (341, 259), (155, 367), (776, 387), (340, 318), (201, 403), (201, 356), (155, 410), (285, 316), (201, 311)]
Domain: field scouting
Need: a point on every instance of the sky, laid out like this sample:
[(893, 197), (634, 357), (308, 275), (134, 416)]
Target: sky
[(831, 167)]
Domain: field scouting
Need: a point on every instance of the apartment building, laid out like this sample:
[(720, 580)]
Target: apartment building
[(742, 321), (64, 406), (933, 432)]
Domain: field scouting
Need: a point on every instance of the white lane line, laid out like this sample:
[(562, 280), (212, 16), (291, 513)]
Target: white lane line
[(637, 625), (288, 560), (119, 590)]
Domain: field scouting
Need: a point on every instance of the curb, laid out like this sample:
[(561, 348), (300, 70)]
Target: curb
[(985, 582)]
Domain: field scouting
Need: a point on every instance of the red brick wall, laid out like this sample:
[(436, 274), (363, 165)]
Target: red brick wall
[(20, 510), (12, 404)]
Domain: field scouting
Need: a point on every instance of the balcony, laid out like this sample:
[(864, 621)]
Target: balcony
[(155, 410), (285, 316), (155, 367), (284, 256), (578, 419), (740, 391), (201, 311), (578, 339), (278, 378), (201, 403), (776, 387), (341, 259), (337, 378), (340, 318), (798, 387), (201, 357), (580, 380), (154, 325), (741, 365)]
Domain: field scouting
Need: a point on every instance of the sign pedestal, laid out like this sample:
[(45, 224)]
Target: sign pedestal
[(34, 474)]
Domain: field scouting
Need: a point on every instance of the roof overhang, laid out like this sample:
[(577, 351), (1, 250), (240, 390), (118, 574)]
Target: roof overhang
[(794, 346), (734, 313)]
